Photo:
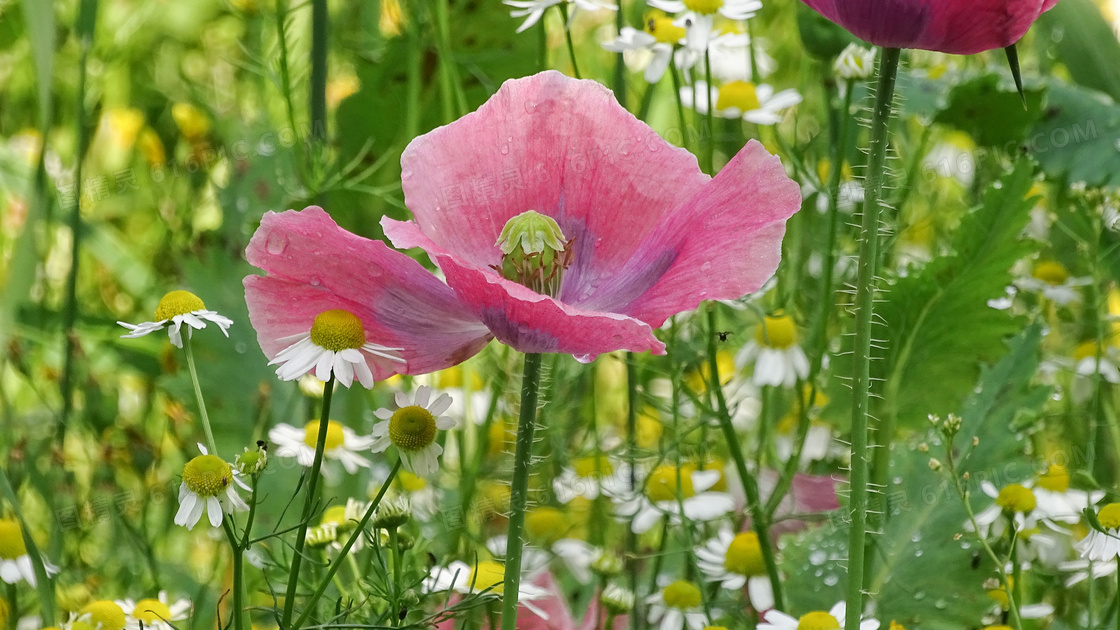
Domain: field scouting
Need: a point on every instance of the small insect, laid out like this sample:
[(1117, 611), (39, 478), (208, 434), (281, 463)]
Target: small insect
[(225, 481), (402, 614), (723, 334)]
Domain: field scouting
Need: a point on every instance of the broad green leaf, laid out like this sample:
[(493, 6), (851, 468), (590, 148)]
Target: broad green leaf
[(1078, 137), (1085, 43), (989, 109)]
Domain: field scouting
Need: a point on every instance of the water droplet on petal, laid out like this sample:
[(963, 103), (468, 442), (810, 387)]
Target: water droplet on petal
[(314, 281), (706, 266), (276, 243)]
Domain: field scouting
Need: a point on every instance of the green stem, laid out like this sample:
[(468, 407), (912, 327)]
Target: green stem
[(864, 308), (245, 541), (285, 72), (198, 393), (398, 583), (334, 567), (320, 34), (631, 460), (1117, 591), (568, 38), (760, 522), (709, 117), (238, 575), (13, 607), (619, 63), (519, 489), (454, 100), (308, 507), (680, 103)]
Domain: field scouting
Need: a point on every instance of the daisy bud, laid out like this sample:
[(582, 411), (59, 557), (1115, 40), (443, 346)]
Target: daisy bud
[(392, 514), (607, 563), (253, 462), (617, 600), (934, 464)]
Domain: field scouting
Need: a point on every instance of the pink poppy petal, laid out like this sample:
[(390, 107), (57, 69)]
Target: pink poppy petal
[(530, 322), (313, 265), (557, 145), (722, 243)]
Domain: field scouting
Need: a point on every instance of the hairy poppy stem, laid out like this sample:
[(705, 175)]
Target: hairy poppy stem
[(519, 488), (868, 267)]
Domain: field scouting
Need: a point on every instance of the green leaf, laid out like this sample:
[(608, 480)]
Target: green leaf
[(821, 37), (990, 110), (920, 575), (1078, 138), (1085, 43), (44, 586)]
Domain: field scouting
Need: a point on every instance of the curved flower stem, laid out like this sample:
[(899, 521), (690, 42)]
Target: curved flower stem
[(337, 564), (320, 32), (519, 489), (238, 575), (864, 308), (571, 46), (308, 507), (631, 460), (454, 100), (710, 145), (760, 522), (619, 63), (198, 395)]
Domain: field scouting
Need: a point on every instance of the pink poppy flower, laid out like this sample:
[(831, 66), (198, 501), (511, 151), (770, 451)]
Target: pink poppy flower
[(647, 234), (315, 266), (959, 27)]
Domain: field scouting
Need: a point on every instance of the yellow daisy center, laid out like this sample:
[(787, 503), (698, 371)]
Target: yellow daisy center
[(744, 556), (1086, 350), (1109, 516), (207, 475), (705, 7), (488, 575), (662, 484), (1016, 498), (338, 330), (178, 303), (546, 525), (593, 466), (1051, 272), (335, 436), (411, 482), (104, 614), (999, 596), (412, 428), (741, 95), (664, 31), (11, 540), (896, 626), (777, 332), (682, 595), (1056, 479), (150, 610), (818, 620)]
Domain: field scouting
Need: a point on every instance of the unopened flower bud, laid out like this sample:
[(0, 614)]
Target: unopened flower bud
[(253, 462), (934, 464), (617, 600)]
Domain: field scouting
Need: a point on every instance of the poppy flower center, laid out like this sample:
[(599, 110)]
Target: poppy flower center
[(104, 614), (412, 428), (744, 555), (593, 467), (681, 595), (338, 330), (777, 332), (1051, 272), (534, 252), (546, 525), (178, 303), (741, 95), (662, 484), (487, 575), (818, 620), (1016, 498), (151, 610), (1056, 479), (705, 7), (664, 31), (335, 437), (11, 540), (207, 475), (1109, 516)]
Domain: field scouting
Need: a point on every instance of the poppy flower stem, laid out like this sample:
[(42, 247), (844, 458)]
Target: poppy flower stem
[(519, 488), (864, 310), (309, 502)]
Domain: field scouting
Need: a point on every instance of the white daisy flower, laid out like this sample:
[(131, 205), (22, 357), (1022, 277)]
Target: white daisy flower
[(1102, 546), (342, 444), (1015, 499), (156, 614), (549, 529), (178, 308), (735, 561), (209, 485), (1056, 500), (412, 429), (587, 476), (659, 40), (336, 525), (678, 606), (662, 496), (1054, 282), (334, 345), (758, 104), (1081, 570), (533, 10), (422, 496), (730, 55), (818, 441), (834, 618), (484, 577), (97, 615), (778, 360), (15, 563), (700, 15), (855, 62), (998, 613)]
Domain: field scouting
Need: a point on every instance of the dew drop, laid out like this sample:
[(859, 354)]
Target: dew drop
[(817, 558), (240, 347), (941, 604), (920, 595), (831, 579), (314, 281), (918, 553), (706, 266), (276, 243), (505, 149)]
